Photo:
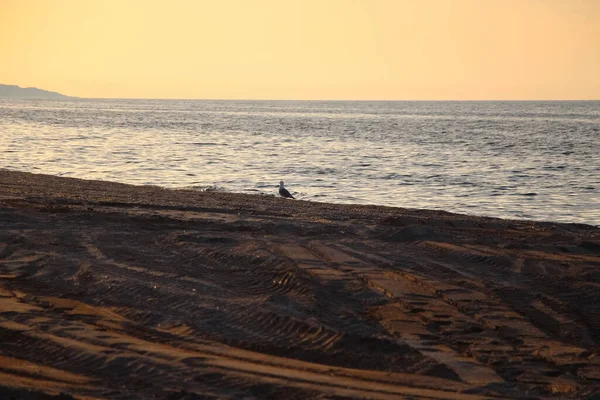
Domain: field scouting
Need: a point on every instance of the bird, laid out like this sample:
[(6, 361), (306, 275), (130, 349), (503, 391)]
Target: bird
[(283, 192)]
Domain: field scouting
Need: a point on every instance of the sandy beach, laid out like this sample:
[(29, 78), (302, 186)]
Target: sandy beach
[(111, 291)]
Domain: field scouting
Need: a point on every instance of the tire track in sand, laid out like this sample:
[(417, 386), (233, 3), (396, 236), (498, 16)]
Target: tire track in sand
[(347, 268)]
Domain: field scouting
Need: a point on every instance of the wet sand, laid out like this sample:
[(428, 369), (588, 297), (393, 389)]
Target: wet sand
[(117, 292)]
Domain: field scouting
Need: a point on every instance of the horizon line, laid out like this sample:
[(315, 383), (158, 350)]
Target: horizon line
[(56, 92), (323, 100)]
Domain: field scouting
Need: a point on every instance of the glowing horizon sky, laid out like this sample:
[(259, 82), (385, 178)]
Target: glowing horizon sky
[(304, 49)]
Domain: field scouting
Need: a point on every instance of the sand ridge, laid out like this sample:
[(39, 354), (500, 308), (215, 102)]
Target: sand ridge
[(117, 291)]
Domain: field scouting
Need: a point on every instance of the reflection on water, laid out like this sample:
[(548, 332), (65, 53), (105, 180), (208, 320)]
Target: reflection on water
[(535, 160)]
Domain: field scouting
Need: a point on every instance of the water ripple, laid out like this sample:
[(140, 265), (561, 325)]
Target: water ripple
[(508, 159)]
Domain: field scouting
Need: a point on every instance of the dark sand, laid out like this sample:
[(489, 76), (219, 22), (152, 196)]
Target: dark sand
[(119, 292)]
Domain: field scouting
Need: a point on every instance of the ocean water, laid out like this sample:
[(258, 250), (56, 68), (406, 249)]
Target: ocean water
[(518, 160)]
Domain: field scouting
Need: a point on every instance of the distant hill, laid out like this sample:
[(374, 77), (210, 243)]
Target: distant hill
[(16, 92)]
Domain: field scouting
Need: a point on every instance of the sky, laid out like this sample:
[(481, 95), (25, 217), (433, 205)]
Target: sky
[(304, 49)]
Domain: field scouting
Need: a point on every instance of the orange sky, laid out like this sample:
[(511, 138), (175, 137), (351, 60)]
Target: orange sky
[(304, 49)]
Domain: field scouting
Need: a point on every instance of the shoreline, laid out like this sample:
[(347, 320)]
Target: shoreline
[(92, 190), (110, 290)]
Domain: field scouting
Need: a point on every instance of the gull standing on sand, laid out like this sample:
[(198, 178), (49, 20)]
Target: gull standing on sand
[(283, 192)]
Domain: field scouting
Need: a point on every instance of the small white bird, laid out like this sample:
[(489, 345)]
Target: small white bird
[(283, 192)]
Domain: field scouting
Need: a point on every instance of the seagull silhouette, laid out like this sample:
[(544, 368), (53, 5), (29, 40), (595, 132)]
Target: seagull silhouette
[(283, 192)]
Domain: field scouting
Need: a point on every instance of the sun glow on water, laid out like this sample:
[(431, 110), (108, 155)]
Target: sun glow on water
[(509, 159)]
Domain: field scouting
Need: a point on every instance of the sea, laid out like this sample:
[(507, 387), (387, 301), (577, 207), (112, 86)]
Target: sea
[(511, 159)]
